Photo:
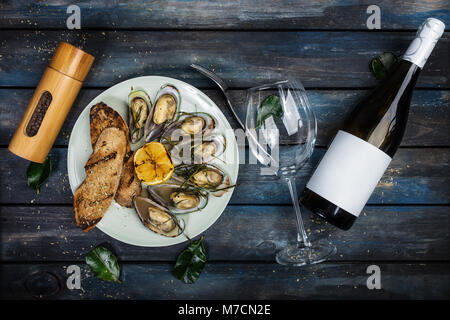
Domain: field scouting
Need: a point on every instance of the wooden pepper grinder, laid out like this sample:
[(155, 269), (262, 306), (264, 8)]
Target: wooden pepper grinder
[(51, 101)]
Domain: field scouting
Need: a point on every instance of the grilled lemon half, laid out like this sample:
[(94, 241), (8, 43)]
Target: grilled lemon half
[(152, 163)]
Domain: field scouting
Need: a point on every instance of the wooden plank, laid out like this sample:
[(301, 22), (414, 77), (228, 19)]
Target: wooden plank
[(231, 281), (242, 233), (428, 123), (415, 176), (202, 14), (243, 59)]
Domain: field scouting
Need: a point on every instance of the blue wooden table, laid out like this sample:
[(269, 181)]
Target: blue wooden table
[(404, 229)]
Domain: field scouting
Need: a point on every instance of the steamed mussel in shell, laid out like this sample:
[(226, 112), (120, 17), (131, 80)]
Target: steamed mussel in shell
[(165, 110), (139, 106), (186, 126), (157, 218), (178, 199), (205, 177), (196, 151)]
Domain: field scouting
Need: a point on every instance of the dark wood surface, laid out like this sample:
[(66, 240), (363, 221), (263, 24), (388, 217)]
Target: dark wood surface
[(228, 15), (404, 229), (232, 280), (328, 59), (243, 233)]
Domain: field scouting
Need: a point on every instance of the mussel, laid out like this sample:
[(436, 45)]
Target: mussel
[(204, 177), (139, 106), (178, 199), (186, 126), (157, 218), (165, 110), (196, 151)]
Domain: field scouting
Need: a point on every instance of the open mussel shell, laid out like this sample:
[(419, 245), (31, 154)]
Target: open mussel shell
[(178, 199), (210, 148), (198, 151), (186, 126), (157, 218), (164, 110), (139, 106), (205, 177)]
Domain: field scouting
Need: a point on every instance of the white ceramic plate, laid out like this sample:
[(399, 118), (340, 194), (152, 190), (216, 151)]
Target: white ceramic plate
[(122, 223)]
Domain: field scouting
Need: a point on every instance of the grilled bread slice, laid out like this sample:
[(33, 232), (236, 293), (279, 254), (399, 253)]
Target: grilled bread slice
[(101, 117), (103, 171), (129, 185)]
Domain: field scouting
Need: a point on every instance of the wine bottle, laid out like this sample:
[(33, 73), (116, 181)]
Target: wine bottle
[(362, 150)]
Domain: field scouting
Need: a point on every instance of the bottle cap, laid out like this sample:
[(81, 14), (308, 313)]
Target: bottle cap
[(420, 48), (71, 61)]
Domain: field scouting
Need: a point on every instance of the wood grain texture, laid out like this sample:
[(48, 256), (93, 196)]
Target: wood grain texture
[(203, 14), (231, 281), (428, 123), (404, 229), (415, 176), (242, 233), (243, 59)]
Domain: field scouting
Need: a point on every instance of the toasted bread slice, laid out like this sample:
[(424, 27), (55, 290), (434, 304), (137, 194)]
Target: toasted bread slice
[(129, 185), (101, 117), (103, 171)]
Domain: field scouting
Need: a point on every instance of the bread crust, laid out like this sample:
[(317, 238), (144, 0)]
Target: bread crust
[(103, 171), (101, 117), (129, 185)]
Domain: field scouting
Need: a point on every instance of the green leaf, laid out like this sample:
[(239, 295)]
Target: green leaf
[(103, 263), (382, 64), (190, 262), (38, 173), (271, 106)]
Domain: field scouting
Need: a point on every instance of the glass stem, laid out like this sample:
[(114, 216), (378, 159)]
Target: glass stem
[(302, 238)]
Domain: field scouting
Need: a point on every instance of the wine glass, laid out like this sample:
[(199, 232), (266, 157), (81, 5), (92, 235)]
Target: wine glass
[(281, 129)]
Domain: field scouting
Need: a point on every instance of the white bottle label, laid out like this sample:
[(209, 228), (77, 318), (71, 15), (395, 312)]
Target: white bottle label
[(349, 172)]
